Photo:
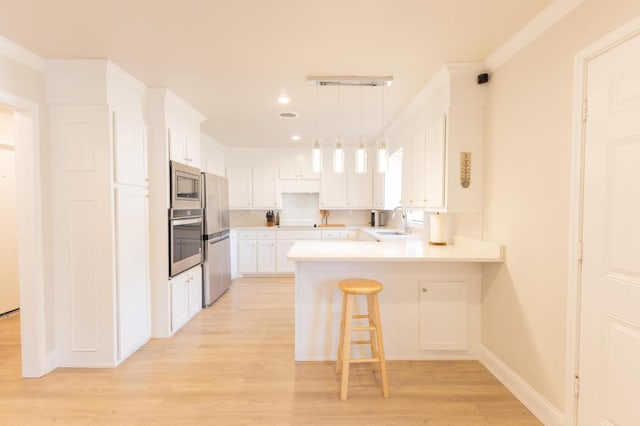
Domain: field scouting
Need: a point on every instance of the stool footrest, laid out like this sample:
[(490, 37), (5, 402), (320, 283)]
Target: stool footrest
[(361, 342), (370, 328), (360, 316), (362, 360)]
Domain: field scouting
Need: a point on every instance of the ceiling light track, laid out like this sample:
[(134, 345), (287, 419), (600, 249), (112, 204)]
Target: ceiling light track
[(350, 81)]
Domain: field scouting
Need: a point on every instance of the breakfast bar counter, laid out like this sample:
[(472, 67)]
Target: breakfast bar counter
[(430, 302)]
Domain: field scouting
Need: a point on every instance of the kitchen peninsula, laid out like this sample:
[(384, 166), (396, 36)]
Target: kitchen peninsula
[(430, 303)]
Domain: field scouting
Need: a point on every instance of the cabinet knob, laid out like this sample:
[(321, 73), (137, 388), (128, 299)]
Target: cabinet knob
[(424, 290)]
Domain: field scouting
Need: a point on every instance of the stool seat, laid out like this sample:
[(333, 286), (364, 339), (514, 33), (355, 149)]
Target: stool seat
[(359, 286), (351, 288)]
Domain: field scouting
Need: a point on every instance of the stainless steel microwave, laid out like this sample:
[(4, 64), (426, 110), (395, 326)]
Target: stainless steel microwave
[(186, 187)]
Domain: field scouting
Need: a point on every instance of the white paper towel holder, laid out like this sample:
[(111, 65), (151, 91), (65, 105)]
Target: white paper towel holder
[(438, 220)]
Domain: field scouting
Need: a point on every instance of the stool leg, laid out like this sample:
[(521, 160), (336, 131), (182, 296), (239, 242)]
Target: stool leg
[(346, 347), (383, 365), (372, 333), (341, 338)]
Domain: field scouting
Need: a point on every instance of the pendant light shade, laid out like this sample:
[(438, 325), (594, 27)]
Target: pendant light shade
[(338, 158), (361, 158), (383, 156), (316, 158)]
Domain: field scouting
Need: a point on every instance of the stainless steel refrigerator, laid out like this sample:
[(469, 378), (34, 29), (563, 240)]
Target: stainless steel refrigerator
[(216, 271)]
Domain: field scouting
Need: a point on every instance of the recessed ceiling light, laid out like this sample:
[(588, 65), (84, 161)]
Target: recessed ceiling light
[(284, 99), (288, 115), (295, 137)]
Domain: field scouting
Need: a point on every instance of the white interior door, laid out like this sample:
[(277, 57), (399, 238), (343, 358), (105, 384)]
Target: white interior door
[(609, 365)]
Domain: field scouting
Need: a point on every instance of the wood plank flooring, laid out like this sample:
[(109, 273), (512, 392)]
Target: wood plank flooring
[(233, 365)]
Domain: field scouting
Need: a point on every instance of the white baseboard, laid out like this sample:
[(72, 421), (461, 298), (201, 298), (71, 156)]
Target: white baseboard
[(536, 403)]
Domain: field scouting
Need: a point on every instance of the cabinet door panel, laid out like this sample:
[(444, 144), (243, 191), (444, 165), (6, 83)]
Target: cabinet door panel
[(418, 158), (359, 190), (179, 301), (195, 291), (130, 150), (434, 167), (177, 146), (265, 193), (239, 187), (443, 315), (132, 269), (266, 256), (247, 257)]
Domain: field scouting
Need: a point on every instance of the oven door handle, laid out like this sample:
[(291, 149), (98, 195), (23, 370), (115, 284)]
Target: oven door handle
[(186, 221)]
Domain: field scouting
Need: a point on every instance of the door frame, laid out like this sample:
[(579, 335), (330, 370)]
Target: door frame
[(576, 211), (33, 327)]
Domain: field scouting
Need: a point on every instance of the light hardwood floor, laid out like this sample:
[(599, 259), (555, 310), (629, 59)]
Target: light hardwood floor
[(233, 365)]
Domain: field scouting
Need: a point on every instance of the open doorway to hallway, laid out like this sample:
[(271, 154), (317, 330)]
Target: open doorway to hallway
[(9, 284)]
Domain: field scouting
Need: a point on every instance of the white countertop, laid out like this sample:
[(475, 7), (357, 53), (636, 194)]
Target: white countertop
[(403, 249)]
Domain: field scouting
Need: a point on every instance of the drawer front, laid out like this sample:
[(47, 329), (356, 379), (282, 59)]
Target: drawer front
[(330, 235), (266, 235), (247, 235), (297, 234), (349, 234)]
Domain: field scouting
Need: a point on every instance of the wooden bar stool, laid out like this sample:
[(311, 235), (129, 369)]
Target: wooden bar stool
[(360, 287)]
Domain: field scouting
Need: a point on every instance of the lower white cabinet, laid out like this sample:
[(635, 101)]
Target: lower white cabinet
[(282, 263), (186, 297), (443, 315), (266, 256), (247, 256)]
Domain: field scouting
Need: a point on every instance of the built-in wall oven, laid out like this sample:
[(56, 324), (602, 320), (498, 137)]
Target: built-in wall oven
[(186, 187), (185, 239)]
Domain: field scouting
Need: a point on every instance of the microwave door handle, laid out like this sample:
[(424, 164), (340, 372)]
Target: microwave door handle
[(186, 221)]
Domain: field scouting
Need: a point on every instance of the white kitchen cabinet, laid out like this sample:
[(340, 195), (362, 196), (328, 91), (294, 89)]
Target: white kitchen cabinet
[(130, 150), (347, 190), (443, 315), (240, 184), (442, 142), (195, 291), (349, 234), (283, 265), (184, 149), (233, 238), (247, 256), (297, 171), (330, 234), (99, 214), (179, 301), (265, 187), (132, 257), (435, 151), (266, 256), (186, 296)]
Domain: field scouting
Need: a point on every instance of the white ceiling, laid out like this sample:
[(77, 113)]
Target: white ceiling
[(232, 59)]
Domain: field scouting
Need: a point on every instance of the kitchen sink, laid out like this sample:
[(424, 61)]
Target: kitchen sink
[(390, 233)]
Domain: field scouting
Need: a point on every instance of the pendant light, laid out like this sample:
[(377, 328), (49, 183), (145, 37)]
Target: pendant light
[(316, 153), (361, 152), (338, 152), (382, 151)]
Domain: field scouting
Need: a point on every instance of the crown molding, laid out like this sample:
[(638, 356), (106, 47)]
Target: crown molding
[(21, 55), (532, 30)]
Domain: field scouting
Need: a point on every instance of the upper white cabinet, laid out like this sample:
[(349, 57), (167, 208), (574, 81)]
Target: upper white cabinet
[(297, 171), (99, 212), (184, 149), (253, 187), (347, 190), (130, 149), (265, 183), (442, 138)]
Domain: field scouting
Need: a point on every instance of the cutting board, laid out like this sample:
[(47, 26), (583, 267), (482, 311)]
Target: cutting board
[(332, 225)]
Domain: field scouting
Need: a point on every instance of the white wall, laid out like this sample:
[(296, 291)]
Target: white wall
[(9, 291), (22, 86), (527, 188)]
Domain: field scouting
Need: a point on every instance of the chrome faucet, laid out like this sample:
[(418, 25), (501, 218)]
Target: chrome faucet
[(404, 218)]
